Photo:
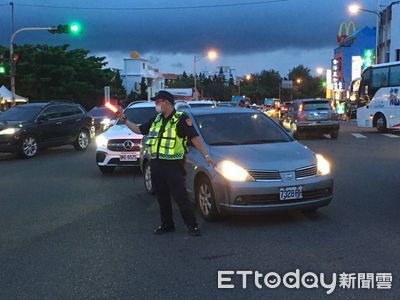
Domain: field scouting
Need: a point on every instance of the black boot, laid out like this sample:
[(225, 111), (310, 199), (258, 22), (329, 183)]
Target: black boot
[(164, 229)]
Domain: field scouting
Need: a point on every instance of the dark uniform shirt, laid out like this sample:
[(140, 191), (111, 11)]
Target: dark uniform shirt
[(184, 129)]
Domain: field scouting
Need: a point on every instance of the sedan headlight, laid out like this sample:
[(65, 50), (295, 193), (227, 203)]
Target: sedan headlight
[(233, 172), (101, 141), (323, 166), (9, 131), (105, 121)]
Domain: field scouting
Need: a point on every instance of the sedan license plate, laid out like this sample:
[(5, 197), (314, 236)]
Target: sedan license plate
[(127, 157), (291, 193)]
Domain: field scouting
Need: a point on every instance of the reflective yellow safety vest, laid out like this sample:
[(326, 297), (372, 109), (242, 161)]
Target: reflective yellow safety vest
[(169, 146)]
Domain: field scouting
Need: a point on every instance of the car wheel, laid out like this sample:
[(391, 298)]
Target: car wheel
[(334, 134), (206, 200), (381, 125), (106, 169), (147, 178), (28, 146), (82, 140)]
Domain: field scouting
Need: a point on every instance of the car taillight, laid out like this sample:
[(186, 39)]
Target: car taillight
[(301, 107)]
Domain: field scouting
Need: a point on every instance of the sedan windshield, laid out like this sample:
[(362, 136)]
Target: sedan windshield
[(140, 115), (20, 113), (240, 129)]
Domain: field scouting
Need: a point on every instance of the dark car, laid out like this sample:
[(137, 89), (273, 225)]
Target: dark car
[(25, 129), (103, 118), (311, 115), (283, 110)]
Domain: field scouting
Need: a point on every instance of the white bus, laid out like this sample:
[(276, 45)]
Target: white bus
[(378, 97)]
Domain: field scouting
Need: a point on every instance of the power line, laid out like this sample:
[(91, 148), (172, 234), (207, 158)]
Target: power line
[(150, 8)]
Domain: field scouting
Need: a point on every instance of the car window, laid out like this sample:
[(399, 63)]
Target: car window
[(68, 111), (240, 129), (140, 115), (52, 112), (316, 105), (21, 113)]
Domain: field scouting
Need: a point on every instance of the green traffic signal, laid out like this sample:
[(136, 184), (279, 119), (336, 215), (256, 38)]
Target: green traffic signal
[(323, 83), (73, 28), (2, 70)]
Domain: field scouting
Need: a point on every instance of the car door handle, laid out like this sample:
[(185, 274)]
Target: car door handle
[(59, 123)]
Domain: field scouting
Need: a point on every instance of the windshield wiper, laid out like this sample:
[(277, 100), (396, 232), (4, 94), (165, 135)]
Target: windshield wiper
[(225, 143)]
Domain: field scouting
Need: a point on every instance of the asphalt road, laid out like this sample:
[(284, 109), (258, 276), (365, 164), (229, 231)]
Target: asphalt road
[(66, 231)]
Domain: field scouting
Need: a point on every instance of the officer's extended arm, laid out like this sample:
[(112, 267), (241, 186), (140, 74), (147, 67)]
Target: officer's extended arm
[(199, 146), (132, 126)]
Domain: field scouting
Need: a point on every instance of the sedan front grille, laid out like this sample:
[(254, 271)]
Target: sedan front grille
[(121, 145), (265, 175), (306, 172)]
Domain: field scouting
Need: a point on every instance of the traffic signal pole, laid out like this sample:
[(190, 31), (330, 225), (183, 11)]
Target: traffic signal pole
[(12, 62), (73, 28)]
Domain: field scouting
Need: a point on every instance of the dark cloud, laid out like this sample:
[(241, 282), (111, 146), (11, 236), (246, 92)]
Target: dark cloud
[(300, 24)]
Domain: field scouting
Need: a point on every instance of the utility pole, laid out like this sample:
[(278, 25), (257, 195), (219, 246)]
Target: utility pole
[(12, 17)]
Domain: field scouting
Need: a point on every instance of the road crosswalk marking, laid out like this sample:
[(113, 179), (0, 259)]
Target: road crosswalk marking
[(359, 135), (391, 135)]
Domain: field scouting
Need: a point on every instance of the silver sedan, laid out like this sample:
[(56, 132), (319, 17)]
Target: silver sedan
[(260, 167)]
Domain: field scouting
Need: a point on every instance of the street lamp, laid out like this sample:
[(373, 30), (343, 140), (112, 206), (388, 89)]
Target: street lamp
[(320, 71), (299, 80), (211, 55), (355, 9), (248, 77)]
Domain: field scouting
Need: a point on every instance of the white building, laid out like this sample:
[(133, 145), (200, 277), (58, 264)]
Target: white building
[(137, 68), (389, 34)]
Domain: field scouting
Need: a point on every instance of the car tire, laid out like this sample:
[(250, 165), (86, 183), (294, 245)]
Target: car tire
[(334, 134), (381, 124), (205, 199), (82, 140), (147, 178), (28, 147), (106, 169)]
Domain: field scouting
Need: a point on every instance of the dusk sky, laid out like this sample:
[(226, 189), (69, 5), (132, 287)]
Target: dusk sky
[(268, 35)]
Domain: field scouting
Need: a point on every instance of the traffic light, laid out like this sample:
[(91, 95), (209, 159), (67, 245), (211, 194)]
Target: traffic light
[(2, 70), (73, 28), (323, 84)]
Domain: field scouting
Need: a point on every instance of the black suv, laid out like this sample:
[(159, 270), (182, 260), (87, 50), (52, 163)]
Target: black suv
[(26, 128)]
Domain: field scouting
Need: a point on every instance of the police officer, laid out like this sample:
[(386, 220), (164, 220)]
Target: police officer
[(167, 135)]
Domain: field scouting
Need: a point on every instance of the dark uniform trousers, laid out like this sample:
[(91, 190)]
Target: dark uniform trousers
[(168, 179)]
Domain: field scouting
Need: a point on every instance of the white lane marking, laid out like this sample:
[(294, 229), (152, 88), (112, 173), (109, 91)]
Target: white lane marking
[(359, 136), (391, 135)]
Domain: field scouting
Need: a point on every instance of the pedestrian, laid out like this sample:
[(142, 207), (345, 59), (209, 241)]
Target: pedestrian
[(167, 134)]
